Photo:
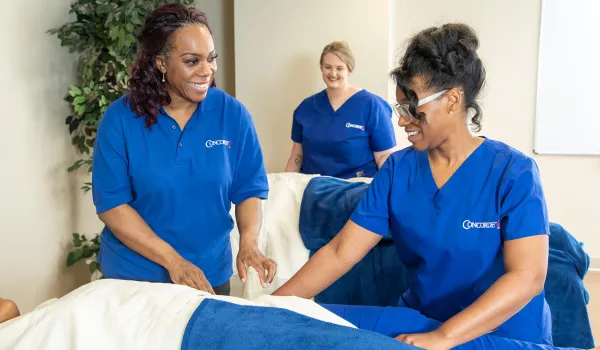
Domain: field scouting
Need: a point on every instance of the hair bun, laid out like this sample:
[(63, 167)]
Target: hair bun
[(469, 44), (446, 56)]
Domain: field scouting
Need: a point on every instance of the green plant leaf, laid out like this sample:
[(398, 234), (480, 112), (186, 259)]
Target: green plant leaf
[(74, 91), (71, 259), (94, 266), (77, 254), (79, 100)]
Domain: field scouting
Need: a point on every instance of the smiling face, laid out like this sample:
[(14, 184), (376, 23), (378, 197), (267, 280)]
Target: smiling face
[(334, 71), (190, 64), (439, 122)]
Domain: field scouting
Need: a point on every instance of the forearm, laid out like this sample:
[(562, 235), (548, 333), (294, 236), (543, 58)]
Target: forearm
[(507, 296), (321, 270), (249, 219), (129, 227), (294, 163)]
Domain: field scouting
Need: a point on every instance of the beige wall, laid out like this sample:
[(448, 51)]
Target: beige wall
[(278, 43), (36, 210)]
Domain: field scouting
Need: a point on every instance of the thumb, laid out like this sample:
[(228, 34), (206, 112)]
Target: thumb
[(242, 269)]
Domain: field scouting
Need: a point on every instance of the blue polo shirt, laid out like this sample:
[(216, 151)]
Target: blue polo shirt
[(451, 238), (181, 182), (341, 143)]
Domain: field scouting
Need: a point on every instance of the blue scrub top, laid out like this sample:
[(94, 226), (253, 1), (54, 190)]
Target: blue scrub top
[(341, 143), (451, 239), (181, 182)]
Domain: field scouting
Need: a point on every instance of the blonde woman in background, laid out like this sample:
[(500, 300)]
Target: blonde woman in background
[(343, 131)]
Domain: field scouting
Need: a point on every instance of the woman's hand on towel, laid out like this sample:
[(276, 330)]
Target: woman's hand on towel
[(249, 255), (186, 273), (434, 340)]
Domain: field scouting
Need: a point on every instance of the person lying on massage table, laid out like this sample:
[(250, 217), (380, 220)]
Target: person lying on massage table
[(8, 310), (467, 214)]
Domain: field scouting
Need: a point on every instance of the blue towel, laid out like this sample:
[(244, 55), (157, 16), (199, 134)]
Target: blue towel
[(392, 321), (327, 205), (221, 325), (565, 292), (379, 278)]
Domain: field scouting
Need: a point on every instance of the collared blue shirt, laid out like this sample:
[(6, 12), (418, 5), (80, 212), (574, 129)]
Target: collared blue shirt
[(181, 182), (451, 238), (341, 143)]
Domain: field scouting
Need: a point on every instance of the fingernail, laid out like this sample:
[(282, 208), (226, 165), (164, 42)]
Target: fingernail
[(243, 280)]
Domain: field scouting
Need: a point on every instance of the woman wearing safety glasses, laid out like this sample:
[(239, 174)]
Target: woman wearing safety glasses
[(467, 214)]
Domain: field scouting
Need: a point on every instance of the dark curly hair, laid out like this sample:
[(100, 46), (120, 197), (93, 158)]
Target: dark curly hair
[(445, 58), (148, 92)]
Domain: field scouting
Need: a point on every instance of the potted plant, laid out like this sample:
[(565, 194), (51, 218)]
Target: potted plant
[(103, 36)]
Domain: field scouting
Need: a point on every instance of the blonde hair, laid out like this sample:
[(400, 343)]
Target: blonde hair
[(341, 50)]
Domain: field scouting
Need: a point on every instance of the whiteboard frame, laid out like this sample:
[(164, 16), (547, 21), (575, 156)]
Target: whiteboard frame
[(536, 128)]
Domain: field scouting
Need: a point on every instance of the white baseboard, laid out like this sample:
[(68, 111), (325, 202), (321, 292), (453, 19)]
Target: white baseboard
[(595, 264)]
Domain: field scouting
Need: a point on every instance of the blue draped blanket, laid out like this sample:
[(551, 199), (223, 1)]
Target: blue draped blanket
[(380, 278), (221, 325)]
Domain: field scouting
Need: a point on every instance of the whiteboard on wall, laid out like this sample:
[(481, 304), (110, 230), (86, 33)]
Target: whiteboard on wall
[(567, 117)]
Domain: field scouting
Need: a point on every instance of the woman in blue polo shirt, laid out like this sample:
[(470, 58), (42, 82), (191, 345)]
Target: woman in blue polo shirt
[(170, 158), (467, 214), (342, 131)]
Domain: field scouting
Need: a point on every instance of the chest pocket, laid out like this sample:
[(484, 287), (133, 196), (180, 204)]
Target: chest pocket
[(477, 231), (338, 139), (213, 163)]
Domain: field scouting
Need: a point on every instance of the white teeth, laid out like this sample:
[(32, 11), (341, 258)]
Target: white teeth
[(412, 133), (200, 86)]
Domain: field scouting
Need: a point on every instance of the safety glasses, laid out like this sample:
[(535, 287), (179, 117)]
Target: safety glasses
[(403, 111)]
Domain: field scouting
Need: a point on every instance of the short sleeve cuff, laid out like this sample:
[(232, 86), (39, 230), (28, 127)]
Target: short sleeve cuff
[(528, 223), (379, 226), (106, 203), (258, 193), (527, 231), (297, 139)]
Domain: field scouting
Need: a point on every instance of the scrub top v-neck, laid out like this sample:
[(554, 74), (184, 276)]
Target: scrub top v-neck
[(340, 143), (451, 238), (181, 182)]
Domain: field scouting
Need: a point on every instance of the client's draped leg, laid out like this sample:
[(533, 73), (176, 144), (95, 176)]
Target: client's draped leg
[(392, 321)]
